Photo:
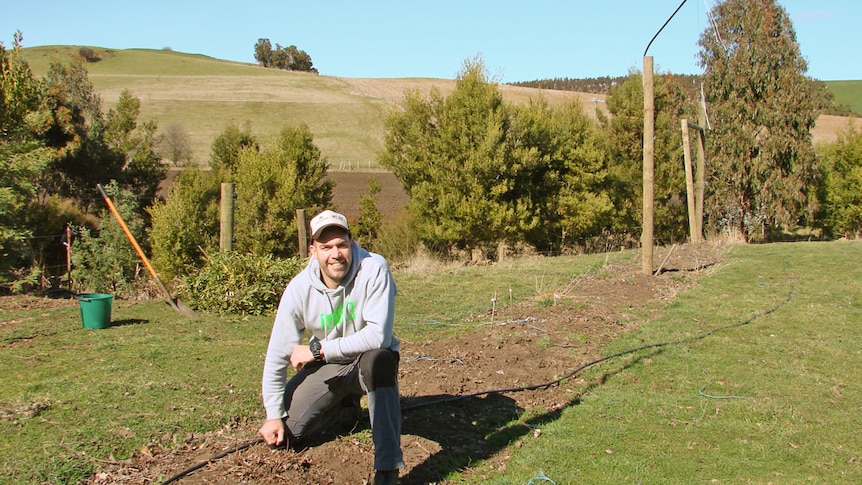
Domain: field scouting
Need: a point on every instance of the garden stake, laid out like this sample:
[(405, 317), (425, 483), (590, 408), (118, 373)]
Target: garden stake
[(177, 305)]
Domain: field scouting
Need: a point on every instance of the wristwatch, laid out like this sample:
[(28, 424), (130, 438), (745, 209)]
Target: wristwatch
[(314, 346)]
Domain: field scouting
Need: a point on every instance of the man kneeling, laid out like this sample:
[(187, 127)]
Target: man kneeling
[(345, 298)]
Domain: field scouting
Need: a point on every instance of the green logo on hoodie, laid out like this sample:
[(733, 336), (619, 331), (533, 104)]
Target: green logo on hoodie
[(342, 314)]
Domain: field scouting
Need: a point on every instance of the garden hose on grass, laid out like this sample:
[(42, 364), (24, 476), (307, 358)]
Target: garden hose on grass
[(510, 390)]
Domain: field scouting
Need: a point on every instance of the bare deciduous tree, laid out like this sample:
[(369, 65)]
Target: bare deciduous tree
[(175, 144)]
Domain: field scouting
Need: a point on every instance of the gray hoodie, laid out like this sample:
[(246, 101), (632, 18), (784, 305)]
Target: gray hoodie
[(354, 318)]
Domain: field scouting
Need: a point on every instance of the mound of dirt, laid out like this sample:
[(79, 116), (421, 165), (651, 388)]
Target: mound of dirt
[(459, 396)]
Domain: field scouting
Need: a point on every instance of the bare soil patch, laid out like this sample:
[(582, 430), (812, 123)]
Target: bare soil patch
[(349, 186), (453, 418)]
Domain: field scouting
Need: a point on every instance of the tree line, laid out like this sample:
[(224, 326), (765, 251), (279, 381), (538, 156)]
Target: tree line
[(689, 83)]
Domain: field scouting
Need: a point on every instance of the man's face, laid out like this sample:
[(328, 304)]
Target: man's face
[(333, 251)]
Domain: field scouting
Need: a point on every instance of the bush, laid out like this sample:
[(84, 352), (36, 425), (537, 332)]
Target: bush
[(245, 284), (396, 240), (88, 54), (187, 221), (841, 188), (109, 263)]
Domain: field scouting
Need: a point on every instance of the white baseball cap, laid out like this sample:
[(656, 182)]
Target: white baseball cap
[(326, 219)]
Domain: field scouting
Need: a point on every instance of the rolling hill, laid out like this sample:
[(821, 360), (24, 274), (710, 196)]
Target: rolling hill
[(203, 95), (346, 115)]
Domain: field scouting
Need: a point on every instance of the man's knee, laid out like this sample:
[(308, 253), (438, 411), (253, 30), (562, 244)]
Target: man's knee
[(379, 368)]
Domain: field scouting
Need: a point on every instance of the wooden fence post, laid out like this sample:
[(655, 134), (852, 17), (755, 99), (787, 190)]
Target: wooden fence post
[(701, 167), (689, 183), (226, 218), (302, 234), (648, 167)]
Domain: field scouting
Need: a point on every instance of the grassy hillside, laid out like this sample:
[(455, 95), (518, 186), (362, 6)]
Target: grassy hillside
[(847, 93), (203, 94), (346, 115)]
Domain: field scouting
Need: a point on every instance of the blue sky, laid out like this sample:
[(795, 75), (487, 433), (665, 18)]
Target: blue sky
[(518, 40)]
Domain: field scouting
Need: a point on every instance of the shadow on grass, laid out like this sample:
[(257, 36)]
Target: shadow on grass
[(475, 429), (129, 321)]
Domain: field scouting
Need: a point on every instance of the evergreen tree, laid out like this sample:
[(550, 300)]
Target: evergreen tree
[(225, 149), (448, 154), (625, 151), (22, 157), (271, 185), (479, 171), (185, 223), (761, 163), (368, 226)]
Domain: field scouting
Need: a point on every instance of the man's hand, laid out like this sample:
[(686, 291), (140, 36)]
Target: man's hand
[(273, 432), (300, 356)]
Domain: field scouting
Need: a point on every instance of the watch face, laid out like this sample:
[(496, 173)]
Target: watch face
[(314, 346)]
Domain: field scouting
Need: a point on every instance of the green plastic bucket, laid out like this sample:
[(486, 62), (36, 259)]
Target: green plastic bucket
[(95, 309)]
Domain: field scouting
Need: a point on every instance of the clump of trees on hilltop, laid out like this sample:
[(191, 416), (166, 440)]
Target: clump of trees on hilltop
[(287, 58)]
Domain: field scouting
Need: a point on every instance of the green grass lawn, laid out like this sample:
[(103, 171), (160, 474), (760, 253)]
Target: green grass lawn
[(758, 382), (769, 396)]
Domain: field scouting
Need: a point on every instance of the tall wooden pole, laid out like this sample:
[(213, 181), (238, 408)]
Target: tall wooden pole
[(301, 233), (226, 218), (648, 166), (689, 182), (701, 167)]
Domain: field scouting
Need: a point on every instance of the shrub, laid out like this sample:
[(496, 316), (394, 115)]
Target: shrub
[(842, 184), (88, 54), (186, 221), (108, 263), (396, 240), (245, 284), (368, 226)]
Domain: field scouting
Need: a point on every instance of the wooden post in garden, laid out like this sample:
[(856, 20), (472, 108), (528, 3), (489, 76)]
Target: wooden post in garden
[(226, 218), (701, 167), (302, 234), (689, 182), (68, 244), (648, 166)]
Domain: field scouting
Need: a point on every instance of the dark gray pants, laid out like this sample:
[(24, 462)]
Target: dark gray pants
[(315, 393)]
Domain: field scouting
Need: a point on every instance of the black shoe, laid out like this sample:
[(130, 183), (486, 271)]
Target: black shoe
[(386, 477)]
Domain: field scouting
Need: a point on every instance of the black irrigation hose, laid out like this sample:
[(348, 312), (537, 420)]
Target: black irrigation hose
[(513, 389), (212, 459), (598, 361)]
